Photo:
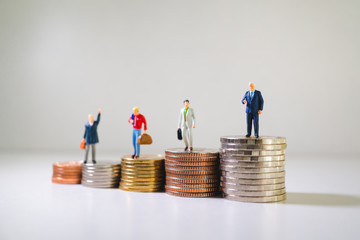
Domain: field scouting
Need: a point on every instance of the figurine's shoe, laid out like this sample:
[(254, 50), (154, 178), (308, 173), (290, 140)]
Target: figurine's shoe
[(247, 135), (133, 156), (257, 136), (136, 156), (191, 148), (186, 148), (85, 162), (93, 161)]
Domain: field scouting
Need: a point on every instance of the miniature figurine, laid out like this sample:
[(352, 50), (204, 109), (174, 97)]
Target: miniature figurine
[(91, 136), (186, 123), (254, 106), (137, 119)]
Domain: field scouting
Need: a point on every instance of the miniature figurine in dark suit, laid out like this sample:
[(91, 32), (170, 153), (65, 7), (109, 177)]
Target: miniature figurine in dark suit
[(91, 136), (254, 106)]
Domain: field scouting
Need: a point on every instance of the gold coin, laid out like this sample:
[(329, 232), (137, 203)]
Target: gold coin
[(142, 168), (134, 189), (143, 158)]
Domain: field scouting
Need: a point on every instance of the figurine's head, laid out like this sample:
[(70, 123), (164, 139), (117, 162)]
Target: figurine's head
[(136, 111), (91, 118), (251, 86), (186, 103)]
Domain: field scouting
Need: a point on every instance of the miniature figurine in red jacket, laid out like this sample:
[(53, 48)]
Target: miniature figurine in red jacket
[(137, 119)]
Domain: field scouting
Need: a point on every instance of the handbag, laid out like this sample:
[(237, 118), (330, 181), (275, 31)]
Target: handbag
[(144, 139), (179, 134), (82, 144)]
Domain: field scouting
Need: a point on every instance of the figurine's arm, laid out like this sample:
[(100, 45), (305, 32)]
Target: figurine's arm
[(261, 101), (244, 99), (180, 119), (131, 118), (98, 118), (193, 114), (145, 124), (85, 134)]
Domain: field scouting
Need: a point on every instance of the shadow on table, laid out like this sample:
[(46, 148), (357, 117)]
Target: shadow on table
[(322, 199)]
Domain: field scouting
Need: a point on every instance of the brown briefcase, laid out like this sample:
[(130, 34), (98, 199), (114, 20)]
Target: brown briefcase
[(144, 139)]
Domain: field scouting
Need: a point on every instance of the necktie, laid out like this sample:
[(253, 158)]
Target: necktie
[(251, 95)]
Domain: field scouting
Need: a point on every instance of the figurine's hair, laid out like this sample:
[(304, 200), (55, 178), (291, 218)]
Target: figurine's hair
[(251, 83), (90, 115), (136, 109), (186, 101)]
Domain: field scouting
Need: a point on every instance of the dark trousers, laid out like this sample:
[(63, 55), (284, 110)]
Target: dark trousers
[(252, 117)]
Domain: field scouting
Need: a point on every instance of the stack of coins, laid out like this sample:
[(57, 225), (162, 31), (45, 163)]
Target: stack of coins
[(67, 172), (192, 174), (101, 174), (252, 169), (143, 174)]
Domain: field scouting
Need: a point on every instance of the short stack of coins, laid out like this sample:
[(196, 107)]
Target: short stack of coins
[(192, 173), (104, 174), (67, 172), (252, 169), (143, 174)]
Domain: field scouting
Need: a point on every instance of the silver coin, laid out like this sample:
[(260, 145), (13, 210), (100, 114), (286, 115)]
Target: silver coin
[(102, 164), (253, 140), (102, 168), (84, 174), (247, 187), (100, 181), (231, 163), (253, 175), (251, 170), (97, 179), (242, 193), (102, 186), (256, 199), (252, 181), (229, 157), (236, 152), (267, 147), (110, 170), (101, 176)]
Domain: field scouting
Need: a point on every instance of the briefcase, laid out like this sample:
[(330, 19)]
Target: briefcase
[(179, 134), (144, 139), (82, 144)]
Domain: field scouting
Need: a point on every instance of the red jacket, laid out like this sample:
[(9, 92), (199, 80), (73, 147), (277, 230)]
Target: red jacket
[(138, 121)]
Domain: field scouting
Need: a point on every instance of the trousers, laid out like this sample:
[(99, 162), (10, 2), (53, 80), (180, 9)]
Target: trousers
[(252, 117), (187, 135), (136, 135), (93, 151)]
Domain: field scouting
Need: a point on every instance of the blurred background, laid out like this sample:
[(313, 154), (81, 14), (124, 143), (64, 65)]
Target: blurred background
[(61, 60)]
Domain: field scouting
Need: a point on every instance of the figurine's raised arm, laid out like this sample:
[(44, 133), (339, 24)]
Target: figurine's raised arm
[(98, 117)]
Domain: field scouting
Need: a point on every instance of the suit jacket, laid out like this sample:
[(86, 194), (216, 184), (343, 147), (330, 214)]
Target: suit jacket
[(255, 104), (90, 134), (190, 118)]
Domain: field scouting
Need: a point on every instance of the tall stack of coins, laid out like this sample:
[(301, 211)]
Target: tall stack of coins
[(67, 172), (101, 175), (252, 169), (192, 174), (143, 174)]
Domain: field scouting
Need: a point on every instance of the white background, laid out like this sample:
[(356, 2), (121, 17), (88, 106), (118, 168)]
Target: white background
[(61, 60)]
